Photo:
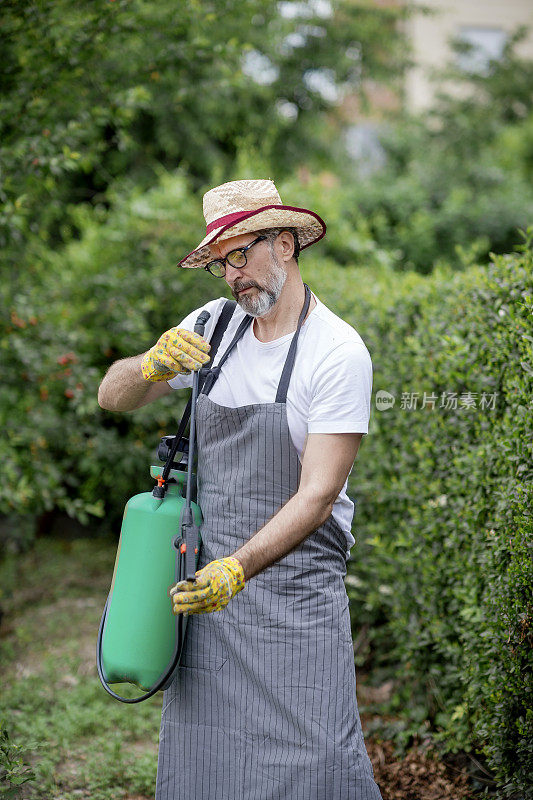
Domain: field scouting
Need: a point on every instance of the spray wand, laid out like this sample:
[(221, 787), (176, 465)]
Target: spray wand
[(190, 532)]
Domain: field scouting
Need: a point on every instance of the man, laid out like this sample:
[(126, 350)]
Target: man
[(263, 705)]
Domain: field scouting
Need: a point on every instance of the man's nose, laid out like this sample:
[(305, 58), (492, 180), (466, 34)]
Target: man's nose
[(232, 274)]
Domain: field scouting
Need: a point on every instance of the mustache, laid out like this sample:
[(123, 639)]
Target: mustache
[(238, 286)]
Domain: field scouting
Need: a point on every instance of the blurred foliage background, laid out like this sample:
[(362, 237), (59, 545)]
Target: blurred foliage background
[(114, 119)]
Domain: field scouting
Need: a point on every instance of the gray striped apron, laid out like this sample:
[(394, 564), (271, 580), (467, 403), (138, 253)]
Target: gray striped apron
[(263, 705)]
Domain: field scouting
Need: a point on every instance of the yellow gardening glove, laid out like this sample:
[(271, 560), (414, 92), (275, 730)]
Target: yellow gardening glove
[(212, 590), (177, 352)]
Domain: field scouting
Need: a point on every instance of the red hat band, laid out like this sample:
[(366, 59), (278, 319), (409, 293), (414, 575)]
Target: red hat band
[(237, 216)]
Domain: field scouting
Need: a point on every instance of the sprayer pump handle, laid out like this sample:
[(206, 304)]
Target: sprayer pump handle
[(201, 322)]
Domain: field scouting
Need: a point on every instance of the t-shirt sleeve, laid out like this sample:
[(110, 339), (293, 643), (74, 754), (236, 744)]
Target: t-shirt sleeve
[(341, 391), (214, 307)]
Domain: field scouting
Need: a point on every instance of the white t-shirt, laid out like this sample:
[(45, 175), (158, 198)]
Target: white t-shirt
[(330, 387)]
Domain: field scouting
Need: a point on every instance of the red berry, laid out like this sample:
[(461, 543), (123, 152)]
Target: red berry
[(16, 320), (67, 358)]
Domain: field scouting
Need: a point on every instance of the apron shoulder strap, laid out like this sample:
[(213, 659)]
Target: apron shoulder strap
[(217, 336), (220, 328), (283, 386)]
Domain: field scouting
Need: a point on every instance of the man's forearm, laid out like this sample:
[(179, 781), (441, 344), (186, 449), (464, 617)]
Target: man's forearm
[(302, 514), (123, 387)]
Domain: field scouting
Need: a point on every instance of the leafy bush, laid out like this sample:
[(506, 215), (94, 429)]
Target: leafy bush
[(103, 298), (443, 576)]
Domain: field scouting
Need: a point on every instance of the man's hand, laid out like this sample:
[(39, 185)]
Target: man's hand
[(214, 587), (177, 352)]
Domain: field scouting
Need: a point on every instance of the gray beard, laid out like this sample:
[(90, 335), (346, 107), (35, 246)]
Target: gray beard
[(263, 301)]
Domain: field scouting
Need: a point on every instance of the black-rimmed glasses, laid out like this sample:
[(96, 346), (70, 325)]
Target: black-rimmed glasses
[(235, 258)]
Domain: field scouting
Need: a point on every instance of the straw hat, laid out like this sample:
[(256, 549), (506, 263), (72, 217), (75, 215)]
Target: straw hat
[(248, 206)]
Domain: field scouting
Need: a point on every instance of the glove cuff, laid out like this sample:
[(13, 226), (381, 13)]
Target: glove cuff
[(235, 568), (153, 371)]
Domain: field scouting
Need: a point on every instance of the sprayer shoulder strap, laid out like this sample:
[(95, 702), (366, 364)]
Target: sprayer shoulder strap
[(218, 332)]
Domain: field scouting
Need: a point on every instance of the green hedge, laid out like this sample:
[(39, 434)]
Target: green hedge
[(105, 297), (442, 573)]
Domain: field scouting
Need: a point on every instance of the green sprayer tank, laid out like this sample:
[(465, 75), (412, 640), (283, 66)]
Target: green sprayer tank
[(139, 633)]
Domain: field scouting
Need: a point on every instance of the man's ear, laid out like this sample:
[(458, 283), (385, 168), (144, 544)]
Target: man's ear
[(286, 243)]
